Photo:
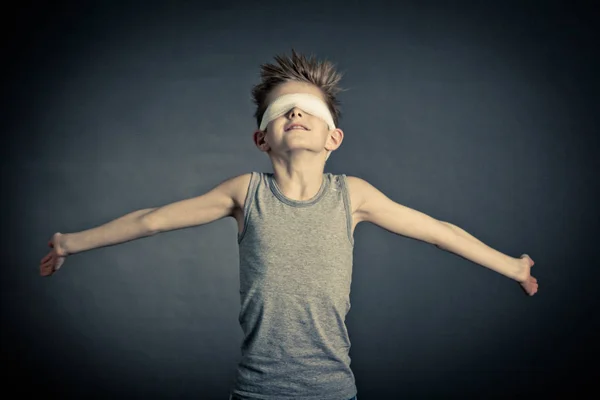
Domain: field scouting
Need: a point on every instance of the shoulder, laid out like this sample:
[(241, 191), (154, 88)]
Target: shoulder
[(366, 197), (358, 185), (239, 188), (359, 190)]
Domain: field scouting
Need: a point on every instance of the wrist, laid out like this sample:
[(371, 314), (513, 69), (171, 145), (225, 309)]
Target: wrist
[(61, 242), (520, 270)]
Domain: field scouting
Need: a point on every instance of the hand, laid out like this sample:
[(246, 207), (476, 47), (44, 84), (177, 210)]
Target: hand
[(528, 283), (55, 258)]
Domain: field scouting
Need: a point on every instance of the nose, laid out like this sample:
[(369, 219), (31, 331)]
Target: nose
[(295, 112)]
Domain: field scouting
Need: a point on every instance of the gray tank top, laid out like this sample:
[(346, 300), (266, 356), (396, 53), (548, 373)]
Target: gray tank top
[(295, 275)]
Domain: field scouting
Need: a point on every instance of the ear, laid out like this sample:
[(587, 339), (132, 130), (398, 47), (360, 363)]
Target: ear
[(258, 138), (336, 136)]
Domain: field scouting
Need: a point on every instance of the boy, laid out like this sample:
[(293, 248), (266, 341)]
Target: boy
[(295, 237)]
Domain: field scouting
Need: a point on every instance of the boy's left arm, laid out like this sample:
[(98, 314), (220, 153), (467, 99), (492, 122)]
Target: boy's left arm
[(377, 208)]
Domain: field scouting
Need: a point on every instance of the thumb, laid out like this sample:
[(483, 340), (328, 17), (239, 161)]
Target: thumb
[(527, 255), (59, 263)]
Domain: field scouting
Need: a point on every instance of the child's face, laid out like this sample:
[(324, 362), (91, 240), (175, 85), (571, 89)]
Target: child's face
[(318, 137)]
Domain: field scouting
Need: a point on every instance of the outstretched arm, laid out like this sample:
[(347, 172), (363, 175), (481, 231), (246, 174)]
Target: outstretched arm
[(377, 208), (199, 210), (521, 272)]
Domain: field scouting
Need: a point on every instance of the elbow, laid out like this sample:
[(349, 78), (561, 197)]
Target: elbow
[(148, 224), (445, 235)]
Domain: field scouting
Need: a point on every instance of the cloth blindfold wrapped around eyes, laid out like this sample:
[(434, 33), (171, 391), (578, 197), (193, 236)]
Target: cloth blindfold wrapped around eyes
[(304, 101)]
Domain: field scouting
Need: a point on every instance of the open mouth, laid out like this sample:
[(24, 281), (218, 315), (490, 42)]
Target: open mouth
[(296, 127)]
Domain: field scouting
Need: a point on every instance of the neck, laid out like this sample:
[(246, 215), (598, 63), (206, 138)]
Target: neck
[(299, 178)]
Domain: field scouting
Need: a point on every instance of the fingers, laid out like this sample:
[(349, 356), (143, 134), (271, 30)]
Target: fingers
[(530, 287), (51, 264), (527, 255), (47, 258), (45, 270), (48, 264), (534, 288)]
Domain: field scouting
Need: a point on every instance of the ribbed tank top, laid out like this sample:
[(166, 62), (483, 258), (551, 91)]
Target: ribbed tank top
[(295, 276)]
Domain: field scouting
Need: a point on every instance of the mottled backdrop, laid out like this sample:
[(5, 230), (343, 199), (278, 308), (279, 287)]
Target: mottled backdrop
[(485, 116)]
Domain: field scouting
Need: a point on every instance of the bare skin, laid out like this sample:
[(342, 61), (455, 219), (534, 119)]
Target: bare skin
[(55, 258), (528, 283), (298, 157)]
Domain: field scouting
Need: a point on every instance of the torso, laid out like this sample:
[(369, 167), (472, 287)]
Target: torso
[(240, 198)]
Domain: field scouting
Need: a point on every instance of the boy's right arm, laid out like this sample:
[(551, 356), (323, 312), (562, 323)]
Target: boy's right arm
[(211, 206)]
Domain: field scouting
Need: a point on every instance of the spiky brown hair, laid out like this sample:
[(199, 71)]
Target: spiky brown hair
[(322, 74)]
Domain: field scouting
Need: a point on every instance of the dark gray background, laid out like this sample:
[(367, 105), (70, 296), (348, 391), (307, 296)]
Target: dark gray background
[(483, 116)]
